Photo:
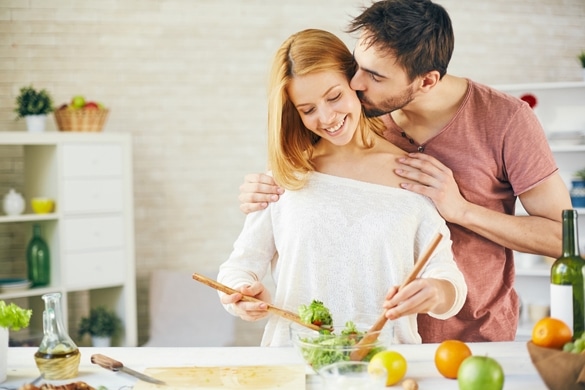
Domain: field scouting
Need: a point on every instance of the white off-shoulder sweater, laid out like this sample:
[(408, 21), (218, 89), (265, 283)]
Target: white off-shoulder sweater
[(343, 242)]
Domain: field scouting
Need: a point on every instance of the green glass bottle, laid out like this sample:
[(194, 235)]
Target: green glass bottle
[(567, 291), (38, 259)]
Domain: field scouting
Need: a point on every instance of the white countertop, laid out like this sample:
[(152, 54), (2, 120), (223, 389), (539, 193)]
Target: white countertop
[(513, 356)]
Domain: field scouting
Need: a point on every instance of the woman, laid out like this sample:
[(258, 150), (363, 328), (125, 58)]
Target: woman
[(342, 233)]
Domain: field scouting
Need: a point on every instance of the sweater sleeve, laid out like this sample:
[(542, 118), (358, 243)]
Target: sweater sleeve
[(252, 254), (442, 266)]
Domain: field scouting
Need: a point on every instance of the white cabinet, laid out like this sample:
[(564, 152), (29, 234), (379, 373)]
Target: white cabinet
[(561, 110), (91, 232)]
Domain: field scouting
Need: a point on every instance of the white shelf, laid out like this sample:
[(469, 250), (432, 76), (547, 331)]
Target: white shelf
[(28, 217), (541, 86), (542, 270), (567, 149), (91, 233)]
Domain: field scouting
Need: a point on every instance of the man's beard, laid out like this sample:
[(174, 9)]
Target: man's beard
[(387, 106)]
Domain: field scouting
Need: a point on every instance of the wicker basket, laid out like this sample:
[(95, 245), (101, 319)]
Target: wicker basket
[(559, 370), (81, 120)]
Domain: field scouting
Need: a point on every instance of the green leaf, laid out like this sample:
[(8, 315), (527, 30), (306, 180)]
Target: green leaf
[(14, 317)]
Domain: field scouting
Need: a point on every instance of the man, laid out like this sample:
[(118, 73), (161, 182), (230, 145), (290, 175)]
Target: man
[(493, 144)]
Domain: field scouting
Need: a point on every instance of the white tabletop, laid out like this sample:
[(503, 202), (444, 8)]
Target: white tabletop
[(513, 356)]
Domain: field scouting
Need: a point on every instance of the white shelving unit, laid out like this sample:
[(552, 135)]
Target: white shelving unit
[(560, 108), (91, 233)]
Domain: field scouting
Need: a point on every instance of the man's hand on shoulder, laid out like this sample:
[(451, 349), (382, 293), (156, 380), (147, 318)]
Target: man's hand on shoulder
[(257, 191)]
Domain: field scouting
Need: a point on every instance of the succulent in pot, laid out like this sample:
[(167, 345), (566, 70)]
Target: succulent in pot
[(581, 58), (33, 105), (33, 102), (101, 323)]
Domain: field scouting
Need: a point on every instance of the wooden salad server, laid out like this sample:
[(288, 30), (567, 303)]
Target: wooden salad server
[(373, 332), (273, 309)]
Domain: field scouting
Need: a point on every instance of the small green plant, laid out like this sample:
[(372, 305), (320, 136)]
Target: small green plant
[(33, 102), (101, 322), (580, 174), (14, 317), (581, 58)]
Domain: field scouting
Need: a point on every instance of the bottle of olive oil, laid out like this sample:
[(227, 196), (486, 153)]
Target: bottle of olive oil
[(567, 291)]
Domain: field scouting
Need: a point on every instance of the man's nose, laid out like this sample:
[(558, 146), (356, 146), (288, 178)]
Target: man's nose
[(356, 82)]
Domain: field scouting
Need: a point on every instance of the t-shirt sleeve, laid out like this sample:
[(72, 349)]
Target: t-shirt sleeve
[(526, 153)]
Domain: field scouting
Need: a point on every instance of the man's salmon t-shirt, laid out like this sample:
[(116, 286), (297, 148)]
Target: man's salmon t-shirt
[(497, 149)]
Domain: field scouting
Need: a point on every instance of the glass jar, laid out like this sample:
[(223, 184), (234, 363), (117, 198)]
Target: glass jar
[(57, 357), (38, 259)]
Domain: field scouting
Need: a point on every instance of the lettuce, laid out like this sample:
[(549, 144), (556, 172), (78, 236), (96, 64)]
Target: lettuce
[(326, 349), (316, 313), (13, 317)]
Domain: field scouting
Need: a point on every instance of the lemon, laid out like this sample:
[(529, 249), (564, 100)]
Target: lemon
[(394, 364)]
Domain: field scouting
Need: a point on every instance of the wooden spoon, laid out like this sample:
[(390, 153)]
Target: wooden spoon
[(373, 333), (273, 309)]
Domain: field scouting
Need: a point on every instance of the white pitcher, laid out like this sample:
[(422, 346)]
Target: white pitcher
[(13, 203)]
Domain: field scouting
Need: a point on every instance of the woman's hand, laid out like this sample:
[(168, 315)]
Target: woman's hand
[(419, 296), (249, 311)]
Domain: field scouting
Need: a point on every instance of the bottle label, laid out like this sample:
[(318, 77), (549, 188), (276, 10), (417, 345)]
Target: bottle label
[(561, 303)]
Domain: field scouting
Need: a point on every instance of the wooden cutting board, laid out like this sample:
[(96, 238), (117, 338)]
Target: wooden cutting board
[(290, 377)]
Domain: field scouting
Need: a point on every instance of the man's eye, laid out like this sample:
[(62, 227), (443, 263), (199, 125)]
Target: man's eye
[(374, 77)]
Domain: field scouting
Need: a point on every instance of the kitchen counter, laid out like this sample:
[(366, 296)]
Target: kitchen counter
[(513, 356)]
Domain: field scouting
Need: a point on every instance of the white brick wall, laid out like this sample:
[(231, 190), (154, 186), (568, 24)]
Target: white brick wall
[(187, 79)]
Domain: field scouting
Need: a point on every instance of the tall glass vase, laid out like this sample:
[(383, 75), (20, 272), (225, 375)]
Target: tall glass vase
[(38, 259)]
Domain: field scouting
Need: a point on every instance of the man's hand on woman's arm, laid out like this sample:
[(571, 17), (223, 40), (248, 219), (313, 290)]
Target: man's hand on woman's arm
[(257, 191)]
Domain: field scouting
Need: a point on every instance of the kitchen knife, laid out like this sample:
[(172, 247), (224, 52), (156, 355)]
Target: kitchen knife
[(114, 365)]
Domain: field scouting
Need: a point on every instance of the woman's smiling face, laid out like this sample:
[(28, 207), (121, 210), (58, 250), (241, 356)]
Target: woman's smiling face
[(327, 105)]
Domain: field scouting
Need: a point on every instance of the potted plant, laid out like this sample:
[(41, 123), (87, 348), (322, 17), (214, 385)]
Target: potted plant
[(577, 191), (33, 105), (102, 324), (12, 317), (581, 58)]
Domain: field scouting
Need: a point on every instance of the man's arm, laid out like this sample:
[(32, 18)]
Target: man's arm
[(257, 191), (540, 232)]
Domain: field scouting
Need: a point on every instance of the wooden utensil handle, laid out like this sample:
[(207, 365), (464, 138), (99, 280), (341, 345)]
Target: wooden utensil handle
[(228, 290), (372, 334), (106, 362), (419, 265)]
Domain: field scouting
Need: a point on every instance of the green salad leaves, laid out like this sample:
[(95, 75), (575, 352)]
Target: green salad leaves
[(317, 314), (13, 317), (327, 347)]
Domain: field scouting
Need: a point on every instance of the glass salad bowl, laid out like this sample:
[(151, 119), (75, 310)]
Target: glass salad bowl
[(320, 349)]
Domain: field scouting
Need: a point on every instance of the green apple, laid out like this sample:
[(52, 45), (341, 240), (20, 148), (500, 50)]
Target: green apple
[(78, 101), (480, 372)]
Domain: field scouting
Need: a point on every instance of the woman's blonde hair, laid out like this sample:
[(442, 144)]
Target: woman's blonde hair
[(290, 143)]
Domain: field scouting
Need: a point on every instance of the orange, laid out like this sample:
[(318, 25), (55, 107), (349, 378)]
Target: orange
[(449, 356), (551, 332)]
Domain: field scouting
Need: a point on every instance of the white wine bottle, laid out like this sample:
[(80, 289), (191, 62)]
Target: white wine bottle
[(567, 291)]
